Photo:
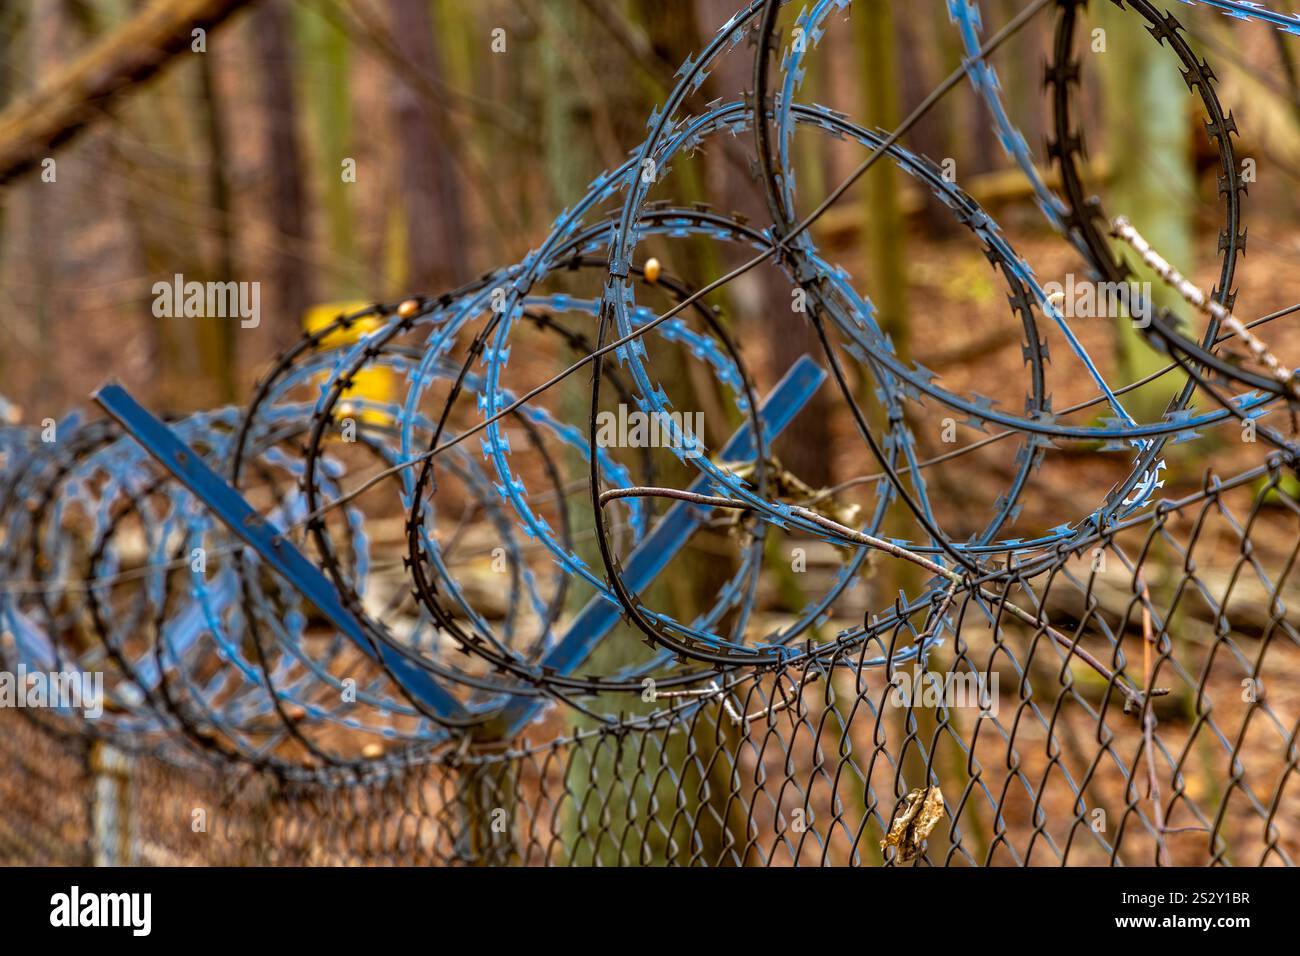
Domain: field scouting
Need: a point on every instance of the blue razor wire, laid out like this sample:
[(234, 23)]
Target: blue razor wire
[(95, 475)]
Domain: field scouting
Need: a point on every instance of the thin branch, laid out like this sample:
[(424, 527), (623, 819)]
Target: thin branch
[(1123, 229), (57, 111)]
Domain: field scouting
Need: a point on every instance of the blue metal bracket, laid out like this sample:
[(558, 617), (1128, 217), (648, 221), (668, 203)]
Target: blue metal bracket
[(670, 533), (267, 540)]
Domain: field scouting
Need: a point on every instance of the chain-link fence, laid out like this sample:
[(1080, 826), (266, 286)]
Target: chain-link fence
[(1044, 761)]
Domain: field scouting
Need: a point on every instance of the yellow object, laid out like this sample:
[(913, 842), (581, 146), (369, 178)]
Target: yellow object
[(373, 383), (652, 270)]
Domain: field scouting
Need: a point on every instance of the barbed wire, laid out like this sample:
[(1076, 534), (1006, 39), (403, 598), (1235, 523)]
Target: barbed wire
[(112, 566)]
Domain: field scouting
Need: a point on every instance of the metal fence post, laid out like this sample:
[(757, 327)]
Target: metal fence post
[(488, 809), (111, 817)]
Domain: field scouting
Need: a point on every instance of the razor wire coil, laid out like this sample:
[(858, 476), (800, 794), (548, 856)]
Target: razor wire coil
[(99, 545)]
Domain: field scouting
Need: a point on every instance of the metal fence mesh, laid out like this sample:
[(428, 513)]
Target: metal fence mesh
[(1055, 771)]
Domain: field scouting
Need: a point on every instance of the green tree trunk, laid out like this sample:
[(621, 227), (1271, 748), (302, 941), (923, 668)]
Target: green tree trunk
[(886, 240), (324, 85), (1149, 135)]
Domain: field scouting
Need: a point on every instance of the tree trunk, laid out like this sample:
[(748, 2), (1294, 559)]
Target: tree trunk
[(1149, 137), (435, 226), (217, 335), (931, 136), (762, 298), (886, 239), (326, 53), (287, 199)]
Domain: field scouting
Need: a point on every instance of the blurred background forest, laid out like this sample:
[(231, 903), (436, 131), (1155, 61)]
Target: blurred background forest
[(231, 163)]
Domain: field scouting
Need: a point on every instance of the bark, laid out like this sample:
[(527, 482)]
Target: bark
[(435, 222), (886, 243), (287, 205), (763, 297), (930, 136), (1150, 141), (326, 52), (218, 335), (81, 93)]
